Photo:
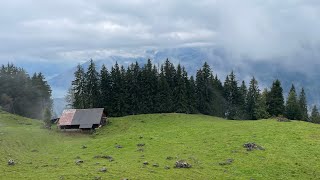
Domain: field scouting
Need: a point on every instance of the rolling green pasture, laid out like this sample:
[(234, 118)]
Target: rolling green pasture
[(292, 149)]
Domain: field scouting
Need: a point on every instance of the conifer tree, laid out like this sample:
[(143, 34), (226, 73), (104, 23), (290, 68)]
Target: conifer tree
[(252, 104), (292, 105), (204, 90), (261, 111), (242, 100), (180, 91), (315, 116), (303, 106), (164, 95), (92, 90), (78, 87), (191, 95), (231, 94), (275, 99), (105, 88)]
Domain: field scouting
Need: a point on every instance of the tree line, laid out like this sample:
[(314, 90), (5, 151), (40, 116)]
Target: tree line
[(24, 95), (168, 88)]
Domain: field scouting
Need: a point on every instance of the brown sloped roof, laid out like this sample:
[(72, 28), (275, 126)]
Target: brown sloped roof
[(83, 117)]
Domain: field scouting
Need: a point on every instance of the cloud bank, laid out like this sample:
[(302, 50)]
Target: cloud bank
[(75, 30)]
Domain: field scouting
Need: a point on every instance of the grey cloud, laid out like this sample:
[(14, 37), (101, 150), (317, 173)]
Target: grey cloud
[(68, 30)]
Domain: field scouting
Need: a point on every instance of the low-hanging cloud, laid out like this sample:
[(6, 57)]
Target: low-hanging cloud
[(66, 30)]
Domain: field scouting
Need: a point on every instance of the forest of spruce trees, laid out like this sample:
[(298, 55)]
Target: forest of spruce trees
[(150, 89), (24, 95)]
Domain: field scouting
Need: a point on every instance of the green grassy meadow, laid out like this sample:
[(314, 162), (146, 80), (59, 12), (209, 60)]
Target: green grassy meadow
[(292, 149)]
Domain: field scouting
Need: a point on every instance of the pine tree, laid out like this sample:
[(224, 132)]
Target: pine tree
[(252, 104), (105, 88), (164, 95), (191, 95), (261, 111), (292, 105), (275, 99), (180, 91), (92, 90), (315, 116), (218, 99), (303, 106), (204, 90), (78, 87), (232, 94), (242, 100)]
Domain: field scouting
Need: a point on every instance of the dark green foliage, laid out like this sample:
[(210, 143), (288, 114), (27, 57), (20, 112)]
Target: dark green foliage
[(243, 91), (191, 95), (232, 97), (92, 87), (78, 89), (105, 87), (164, 95), (22, 95), (180, 91), (292, 105), (261, 111), (275, 100), (303, 106), (204, 90), (252, 105), (136, 90), (315, 116)]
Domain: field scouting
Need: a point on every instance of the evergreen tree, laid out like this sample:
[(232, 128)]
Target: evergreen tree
[(164, 95), (191, 95), (303, 106), (275, 99), (261, 112), (243, 100), (78, 87), (204, 90), (231, 94), (92, 90), (252, 105), (292, 105), (218, 99), (315, 116), (105, 88), (149, 87), (180, 91)]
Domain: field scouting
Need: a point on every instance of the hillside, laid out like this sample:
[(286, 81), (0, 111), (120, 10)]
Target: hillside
[(291, 149)]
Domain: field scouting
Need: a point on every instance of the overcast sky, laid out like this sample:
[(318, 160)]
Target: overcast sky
[(71, 30)]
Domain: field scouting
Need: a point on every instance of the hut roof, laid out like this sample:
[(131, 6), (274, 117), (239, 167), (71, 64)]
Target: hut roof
[(83, 117)]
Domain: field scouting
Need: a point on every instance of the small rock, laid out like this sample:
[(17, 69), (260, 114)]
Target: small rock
[(79, 161), (84, 146), (145, 163), (155, 165), (97, 178), (118, 146), (227, 162), (140, 150), (167, 167), (104, 169), (140, 145), (11, 162), (182, 164), (169, 158), (252, 146)]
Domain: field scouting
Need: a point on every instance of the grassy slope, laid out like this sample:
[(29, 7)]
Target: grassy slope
[(292, 149)]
